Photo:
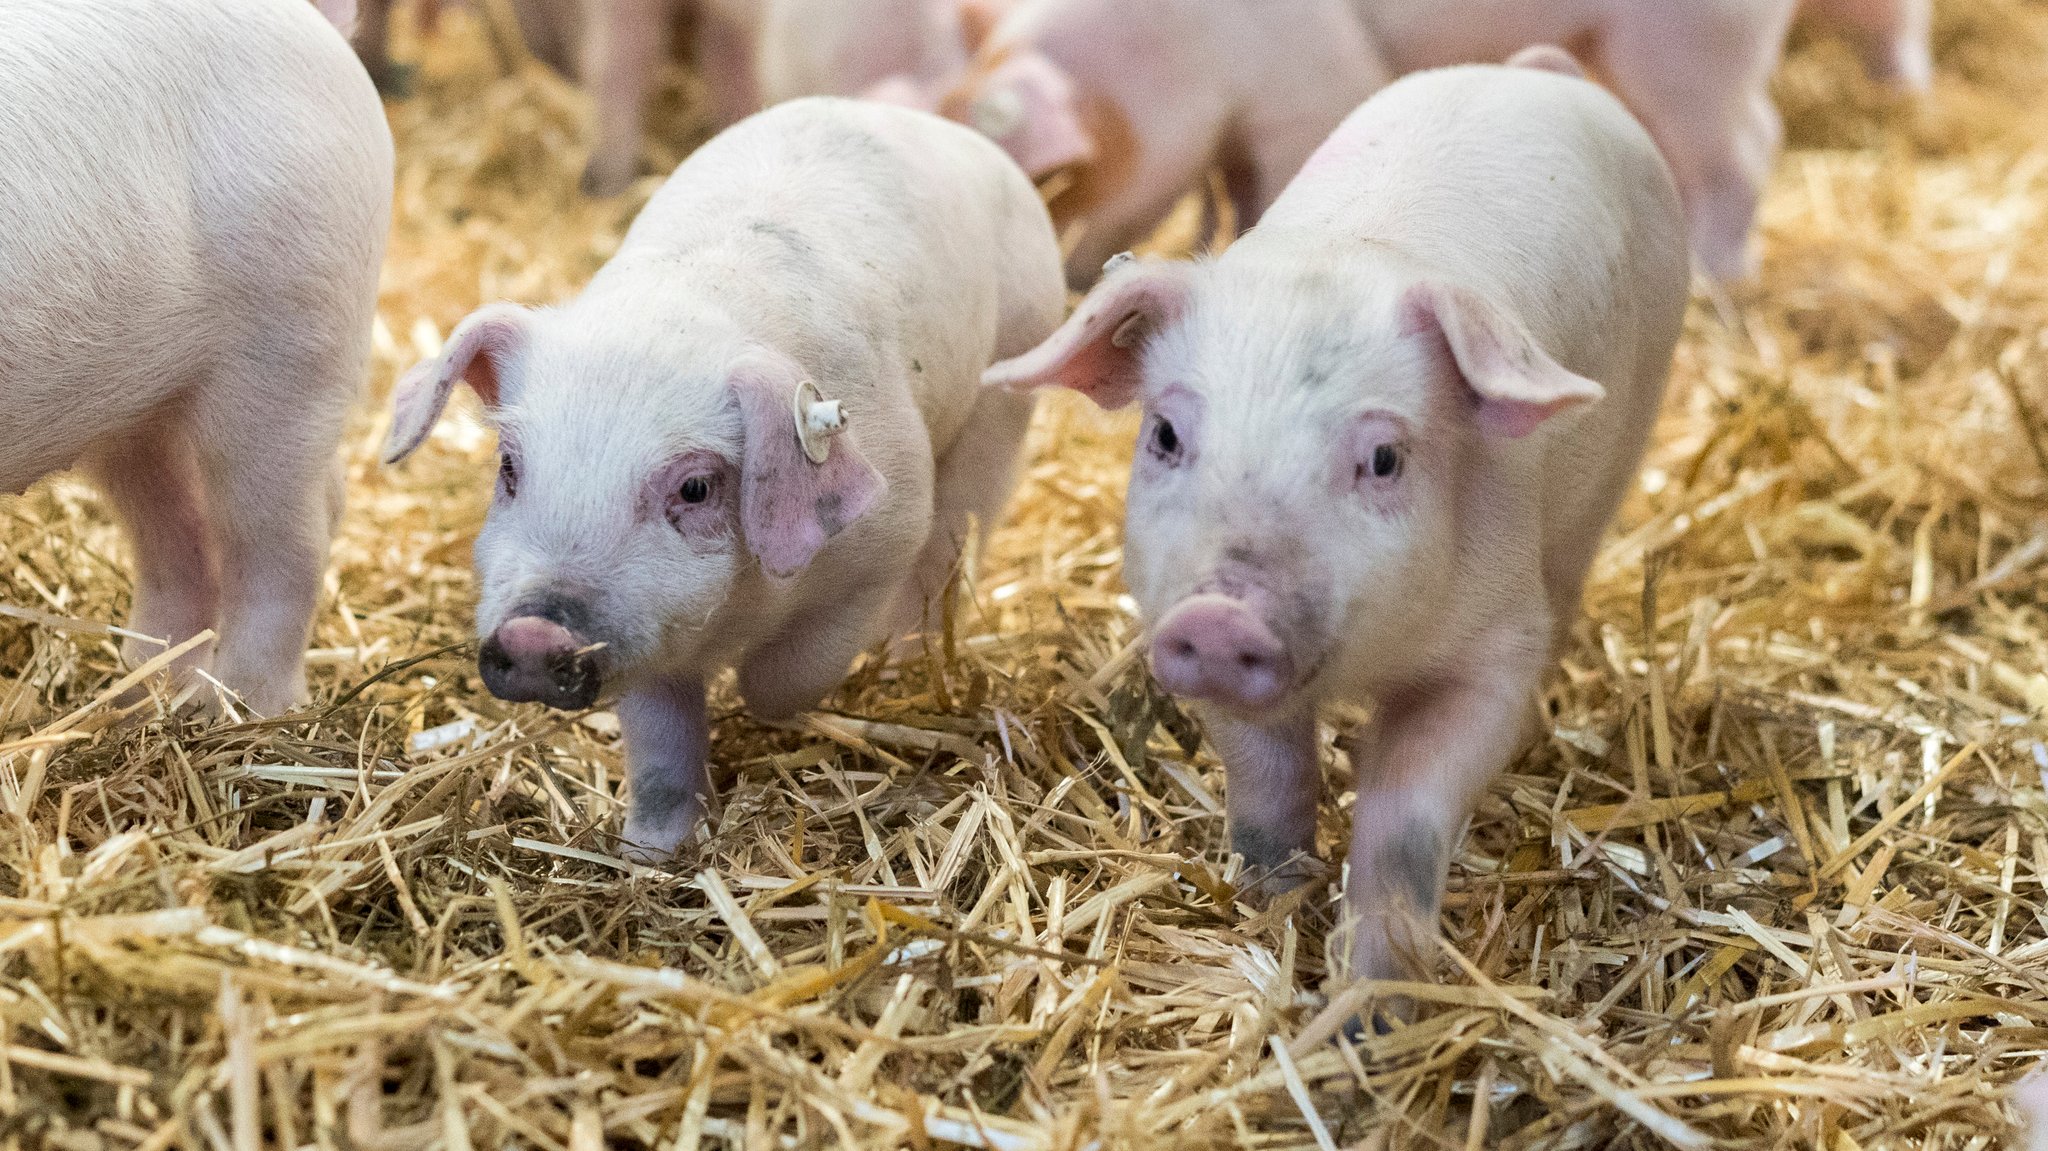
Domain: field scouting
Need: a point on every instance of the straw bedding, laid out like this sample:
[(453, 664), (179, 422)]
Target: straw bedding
[(1774, 879)]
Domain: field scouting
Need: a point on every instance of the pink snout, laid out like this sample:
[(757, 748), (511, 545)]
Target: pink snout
[(1214, 647), (533, 659)]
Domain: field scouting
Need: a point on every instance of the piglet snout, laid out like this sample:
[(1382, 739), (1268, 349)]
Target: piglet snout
[(531, 659), (1214, 647)]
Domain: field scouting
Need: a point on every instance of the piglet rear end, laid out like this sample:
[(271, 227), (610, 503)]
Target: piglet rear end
[(193, 203)]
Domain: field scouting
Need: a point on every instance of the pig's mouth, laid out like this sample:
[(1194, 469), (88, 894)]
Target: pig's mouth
[(537, 658)]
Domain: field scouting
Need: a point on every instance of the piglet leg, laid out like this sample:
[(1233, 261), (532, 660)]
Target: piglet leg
[(1420, 766), (972, 483), (268, 458), (1891, 36), (803, 665), (1699, 75), (1275, 783), (151, 478), (725, 57), (625, 45), (668, 744)]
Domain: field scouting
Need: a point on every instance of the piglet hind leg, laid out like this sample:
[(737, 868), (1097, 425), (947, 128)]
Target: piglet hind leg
[(151, 478), (625, 45), (971, 484), (267, 453), (1699, 74), (1274, 785), (668, 748), (808, 659), (1420, 766)]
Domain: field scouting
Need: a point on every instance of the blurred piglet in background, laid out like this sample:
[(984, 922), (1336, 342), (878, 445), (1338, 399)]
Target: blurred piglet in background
[(1140, 99), (749, 53), (1383, 434), (892, 49), (193, 203), (757, 438), (1698, 73)]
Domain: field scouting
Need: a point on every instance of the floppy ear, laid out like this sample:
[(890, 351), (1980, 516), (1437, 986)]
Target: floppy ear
[(1515, 383), (789, 505), (1096, 352), (1026, 103), (476, 351)]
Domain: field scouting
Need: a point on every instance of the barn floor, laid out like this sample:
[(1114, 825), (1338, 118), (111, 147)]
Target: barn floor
[(1775, 879)]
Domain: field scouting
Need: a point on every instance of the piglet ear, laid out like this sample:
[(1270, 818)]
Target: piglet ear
[(1026, 103), (1096, 352), (791, 500), (1516, 384), (340, 13), (476, 352)]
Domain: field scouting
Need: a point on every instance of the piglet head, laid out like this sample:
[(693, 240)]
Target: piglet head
[(1304, 465), (636, 491), (1023, 101)]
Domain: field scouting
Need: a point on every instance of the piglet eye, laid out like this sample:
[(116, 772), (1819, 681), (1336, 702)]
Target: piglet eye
[(1165, 440), (695, 490), (1387, 460), (508, 474)]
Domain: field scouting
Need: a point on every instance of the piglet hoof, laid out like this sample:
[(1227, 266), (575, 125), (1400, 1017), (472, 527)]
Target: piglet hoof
[(1272, 868), (654, 841), (1374, 1021)]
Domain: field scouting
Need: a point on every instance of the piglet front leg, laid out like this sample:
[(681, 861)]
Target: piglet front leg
[(626, 43), (1420, 766), (668, 745), (1274, 785)]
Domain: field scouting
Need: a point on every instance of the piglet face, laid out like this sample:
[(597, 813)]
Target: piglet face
[(639, 486), (1301, 492), (1281, 516), (620, 528)]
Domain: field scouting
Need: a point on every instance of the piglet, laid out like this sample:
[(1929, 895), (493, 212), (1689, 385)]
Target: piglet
[(893, 49), (756, 440), (617, 48), (1141, 99), (1697, 72), (1382, 435), (193, 203)]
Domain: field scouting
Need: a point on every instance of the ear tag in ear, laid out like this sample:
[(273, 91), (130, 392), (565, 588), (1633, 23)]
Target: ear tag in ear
[(817, 421)]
